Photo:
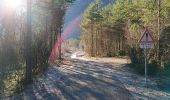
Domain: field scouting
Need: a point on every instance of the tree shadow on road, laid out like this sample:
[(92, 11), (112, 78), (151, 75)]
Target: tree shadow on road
[(77, 80)]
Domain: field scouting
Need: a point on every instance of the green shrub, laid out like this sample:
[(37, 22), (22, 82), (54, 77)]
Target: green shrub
[(166, 70), (121, 53), (110, 54), (152, 69), (136, 55), (12, 80)]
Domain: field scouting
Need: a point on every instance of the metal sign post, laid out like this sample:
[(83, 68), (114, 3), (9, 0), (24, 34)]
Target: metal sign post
[(145, 50), (146, 42)]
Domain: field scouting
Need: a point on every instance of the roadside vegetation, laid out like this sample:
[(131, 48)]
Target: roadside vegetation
[(27, 39), (20, 49), (115, 30)]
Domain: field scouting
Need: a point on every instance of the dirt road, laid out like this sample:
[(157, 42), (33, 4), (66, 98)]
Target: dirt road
[(77, 80)]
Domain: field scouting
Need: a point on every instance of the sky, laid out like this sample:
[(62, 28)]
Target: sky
[(76, 10)]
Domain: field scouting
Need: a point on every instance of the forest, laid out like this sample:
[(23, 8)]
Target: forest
[(28, 32), (115, 30), (28, 37)]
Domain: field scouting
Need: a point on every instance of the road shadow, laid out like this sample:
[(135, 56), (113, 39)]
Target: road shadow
[(77, 80)]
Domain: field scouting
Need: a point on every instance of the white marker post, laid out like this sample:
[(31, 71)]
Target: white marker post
[(146, 41), (146, 65)]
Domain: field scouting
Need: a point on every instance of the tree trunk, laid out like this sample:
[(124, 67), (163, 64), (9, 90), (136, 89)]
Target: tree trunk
[(158, 42), (28, 38), (91, 40)]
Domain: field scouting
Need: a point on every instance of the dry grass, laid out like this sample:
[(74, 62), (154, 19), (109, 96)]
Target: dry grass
[(114, 60)]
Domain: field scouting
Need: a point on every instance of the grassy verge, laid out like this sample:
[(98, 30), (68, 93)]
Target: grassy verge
[(164, 78), (140, 69), (12, 80), (161, 76)]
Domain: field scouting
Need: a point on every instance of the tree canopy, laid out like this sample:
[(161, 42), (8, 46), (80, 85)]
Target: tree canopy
[(120, 25)]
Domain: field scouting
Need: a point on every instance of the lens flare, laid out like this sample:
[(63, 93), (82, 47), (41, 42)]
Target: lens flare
[(69, 29), (13, 3)]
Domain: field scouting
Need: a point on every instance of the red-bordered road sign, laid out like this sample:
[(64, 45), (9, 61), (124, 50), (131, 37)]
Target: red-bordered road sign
[(146, 37), (146, 41)]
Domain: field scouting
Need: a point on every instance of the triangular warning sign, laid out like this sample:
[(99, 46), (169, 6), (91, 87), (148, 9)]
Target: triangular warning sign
[(146, 37)]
